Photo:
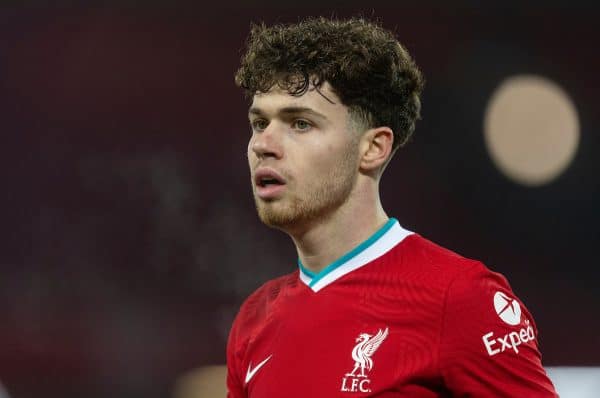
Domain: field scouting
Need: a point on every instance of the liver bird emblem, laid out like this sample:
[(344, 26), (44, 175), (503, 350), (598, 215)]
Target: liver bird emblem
[(364, 350)]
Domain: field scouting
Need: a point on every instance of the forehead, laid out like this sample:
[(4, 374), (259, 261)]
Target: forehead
[(322, 100)]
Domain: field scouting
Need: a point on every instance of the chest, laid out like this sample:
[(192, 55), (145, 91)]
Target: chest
[(346, 344)]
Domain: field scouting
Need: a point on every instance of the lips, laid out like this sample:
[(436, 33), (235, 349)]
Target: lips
[(269, 183)]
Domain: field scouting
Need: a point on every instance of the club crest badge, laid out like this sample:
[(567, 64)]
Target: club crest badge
[(357, 380)]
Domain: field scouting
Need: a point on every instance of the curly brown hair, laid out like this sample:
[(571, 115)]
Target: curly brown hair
[(368, 69)]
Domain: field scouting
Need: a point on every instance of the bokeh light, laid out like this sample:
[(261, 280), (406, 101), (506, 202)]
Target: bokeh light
[(531, 129)]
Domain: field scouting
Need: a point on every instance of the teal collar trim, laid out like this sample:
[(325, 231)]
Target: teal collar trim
[(316, 277)]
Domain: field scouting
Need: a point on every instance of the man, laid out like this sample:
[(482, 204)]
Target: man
[(374, 310)]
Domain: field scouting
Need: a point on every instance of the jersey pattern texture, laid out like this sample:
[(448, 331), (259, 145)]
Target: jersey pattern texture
[(398, 316)]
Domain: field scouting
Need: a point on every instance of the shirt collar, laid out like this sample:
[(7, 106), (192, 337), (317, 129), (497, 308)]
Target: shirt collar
[(382, 241)]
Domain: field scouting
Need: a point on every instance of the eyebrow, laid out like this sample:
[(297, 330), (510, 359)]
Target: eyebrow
[(289, 110)]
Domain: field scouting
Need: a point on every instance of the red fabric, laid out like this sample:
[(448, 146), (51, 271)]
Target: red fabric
[(433, 309)]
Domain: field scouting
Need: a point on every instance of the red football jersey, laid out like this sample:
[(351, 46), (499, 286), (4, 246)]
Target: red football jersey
[(398, 316)]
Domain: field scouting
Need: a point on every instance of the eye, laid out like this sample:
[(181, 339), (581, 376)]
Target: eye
[(259, 124), (301, 124)]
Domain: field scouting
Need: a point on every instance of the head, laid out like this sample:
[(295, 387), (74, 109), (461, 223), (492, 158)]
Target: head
[(332, 101)]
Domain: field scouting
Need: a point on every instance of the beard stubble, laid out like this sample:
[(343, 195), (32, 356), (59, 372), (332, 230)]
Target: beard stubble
[(319, 200)]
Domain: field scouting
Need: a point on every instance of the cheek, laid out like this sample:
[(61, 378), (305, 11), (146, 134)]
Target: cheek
[(337, 154), (250, 143), (326, 161), (249, 151)]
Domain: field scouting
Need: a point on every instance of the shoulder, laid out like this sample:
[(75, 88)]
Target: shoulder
[(488, 342), (463, 278), (440, 266), (432, 253), (259, 305)]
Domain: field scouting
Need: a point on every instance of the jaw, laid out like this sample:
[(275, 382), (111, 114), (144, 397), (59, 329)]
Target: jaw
[(277, 211), (300, 208)]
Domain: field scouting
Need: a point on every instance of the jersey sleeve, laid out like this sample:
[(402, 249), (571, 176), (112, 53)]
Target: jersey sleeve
[(489, 341), (235, 387)]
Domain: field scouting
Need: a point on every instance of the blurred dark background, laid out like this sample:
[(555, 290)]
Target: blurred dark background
[(128, 232)]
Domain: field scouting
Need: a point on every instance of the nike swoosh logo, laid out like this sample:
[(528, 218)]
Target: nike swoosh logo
[(251, 372)]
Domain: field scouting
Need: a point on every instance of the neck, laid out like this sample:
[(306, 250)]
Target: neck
[(329, 238)]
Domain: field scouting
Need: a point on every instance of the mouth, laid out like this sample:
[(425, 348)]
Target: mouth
[(269, 184)]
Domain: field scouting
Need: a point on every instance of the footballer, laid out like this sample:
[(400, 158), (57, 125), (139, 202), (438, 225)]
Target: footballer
[(373, 310)]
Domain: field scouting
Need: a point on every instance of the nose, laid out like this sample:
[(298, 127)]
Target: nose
[(267, 143)]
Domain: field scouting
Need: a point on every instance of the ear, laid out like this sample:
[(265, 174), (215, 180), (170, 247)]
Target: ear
[(376, 148)]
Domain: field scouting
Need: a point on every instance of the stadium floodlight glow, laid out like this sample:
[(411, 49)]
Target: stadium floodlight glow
[(531, 129)]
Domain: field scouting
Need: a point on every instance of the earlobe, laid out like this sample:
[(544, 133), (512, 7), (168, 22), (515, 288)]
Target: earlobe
[(377, 147)]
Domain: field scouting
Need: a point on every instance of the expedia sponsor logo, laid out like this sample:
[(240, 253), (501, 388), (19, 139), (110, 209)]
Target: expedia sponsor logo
[(510, 341), (509, 310)]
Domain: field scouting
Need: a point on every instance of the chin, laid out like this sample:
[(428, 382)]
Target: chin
[(289, 218), (277, 218), (293, 213)]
